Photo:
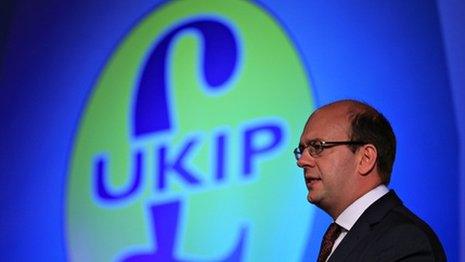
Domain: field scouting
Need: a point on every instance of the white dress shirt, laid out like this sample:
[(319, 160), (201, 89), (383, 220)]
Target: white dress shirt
[(351, 214)]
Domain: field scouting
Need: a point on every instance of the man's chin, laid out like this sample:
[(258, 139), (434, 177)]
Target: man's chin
[(311, 198)]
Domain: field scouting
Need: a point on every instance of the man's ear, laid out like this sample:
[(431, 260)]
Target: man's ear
[(369, 156)]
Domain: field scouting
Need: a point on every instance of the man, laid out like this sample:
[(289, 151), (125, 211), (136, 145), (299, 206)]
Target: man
[(346, 151)]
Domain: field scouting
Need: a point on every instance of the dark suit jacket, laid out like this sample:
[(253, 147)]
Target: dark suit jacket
[(388, 231)]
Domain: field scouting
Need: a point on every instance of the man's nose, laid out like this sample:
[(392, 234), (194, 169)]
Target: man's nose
[(306, 160)]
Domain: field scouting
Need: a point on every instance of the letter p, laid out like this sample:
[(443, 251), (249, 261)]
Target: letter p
[(259, 141)]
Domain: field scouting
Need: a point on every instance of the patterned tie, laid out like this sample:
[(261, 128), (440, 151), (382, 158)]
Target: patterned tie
[(330, 236)]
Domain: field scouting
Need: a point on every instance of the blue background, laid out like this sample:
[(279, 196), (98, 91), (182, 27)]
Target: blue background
[(404, 57)]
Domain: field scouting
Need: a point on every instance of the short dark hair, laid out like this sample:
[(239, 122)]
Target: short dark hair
[(370, 126)]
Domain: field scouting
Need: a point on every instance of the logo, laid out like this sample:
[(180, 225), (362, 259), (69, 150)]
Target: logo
[(184, 148)]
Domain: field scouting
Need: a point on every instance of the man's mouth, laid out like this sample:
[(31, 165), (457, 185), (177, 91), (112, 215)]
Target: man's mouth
[(312, 180)]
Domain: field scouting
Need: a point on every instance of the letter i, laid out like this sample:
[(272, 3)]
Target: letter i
[(220, 155)]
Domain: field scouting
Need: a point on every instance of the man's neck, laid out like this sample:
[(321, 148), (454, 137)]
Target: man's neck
[(351, 214), (336, 211)]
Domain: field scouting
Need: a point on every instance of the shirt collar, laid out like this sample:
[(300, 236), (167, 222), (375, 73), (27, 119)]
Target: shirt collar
[(350, 215)]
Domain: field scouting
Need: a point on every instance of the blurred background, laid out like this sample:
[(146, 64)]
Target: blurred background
[(164, 130)]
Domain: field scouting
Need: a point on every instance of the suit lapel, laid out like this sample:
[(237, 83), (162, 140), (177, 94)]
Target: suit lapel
[(364, 225)]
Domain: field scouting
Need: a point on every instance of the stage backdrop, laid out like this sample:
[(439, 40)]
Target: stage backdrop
[(164, 130)]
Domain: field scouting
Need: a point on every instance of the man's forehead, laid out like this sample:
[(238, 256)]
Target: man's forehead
[(326, 123)]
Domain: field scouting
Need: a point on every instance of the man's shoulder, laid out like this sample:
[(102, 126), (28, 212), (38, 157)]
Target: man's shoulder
[(401, 223), (401, 229), (390, 211), (401, 216), (389, 231)]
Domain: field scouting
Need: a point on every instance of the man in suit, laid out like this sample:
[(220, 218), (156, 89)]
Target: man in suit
[(346, 151)]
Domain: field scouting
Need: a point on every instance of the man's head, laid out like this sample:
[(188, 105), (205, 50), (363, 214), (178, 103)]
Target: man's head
[(371, 127), (338, 173)]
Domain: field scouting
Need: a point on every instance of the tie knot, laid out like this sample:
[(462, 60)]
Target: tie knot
[(330, 236)]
